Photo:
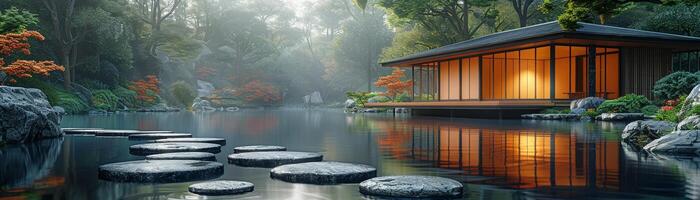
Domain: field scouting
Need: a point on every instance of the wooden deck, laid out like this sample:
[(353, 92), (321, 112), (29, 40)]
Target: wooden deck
[(504, 104)]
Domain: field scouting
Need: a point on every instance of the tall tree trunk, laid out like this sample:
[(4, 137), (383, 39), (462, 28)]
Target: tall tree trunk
[(67, 74)]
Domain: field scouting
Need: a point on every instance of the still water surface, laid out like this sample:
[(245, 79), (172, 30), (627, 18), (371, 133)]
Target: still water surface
[(495, 159)]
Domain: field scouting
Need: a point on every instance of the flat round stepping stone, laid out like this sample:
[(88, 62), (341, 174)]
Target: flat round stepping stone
[(158, 148), (183, 156), (81, 131), (160, 171), (412, 187), (221, 188), (323, 173), (219, 141), (124, 132), (156, 136), (270, 159), (258, 148)]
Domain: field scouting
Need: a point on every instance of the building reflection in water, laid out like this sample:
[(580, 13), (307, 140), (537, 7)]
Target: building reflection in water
[(526, 158)]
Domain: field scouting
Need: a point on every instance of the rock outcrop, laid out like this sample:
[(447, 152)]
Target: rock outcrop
[(677, 142), (582, 105), (691, 101), (640, 133), (27, 116), (690, 123)]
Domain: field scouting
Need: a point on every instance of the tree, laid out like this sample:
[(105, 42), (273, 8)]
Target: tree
[(450, 19), (61, 13), (679, 19), (393, 84), (154, 12), (18, 42), (14, 20), (147, 90), (581, 10), (260, 92), (523, 9)]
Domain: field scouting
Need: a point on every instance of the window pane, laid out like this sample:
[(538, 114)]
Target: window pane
[(487, 77), (562, 72), (454, 80), (444, 80)]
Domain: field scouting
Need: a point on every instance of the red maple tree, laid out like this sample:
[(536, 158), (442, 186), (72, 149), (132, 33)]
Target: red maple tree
[(147, 90), (18, 42), (260, 92), (393, 84)]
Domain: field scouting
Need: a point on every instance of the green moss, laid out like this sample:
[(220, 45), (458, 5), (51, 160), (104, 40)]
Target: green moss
[(556, 111)]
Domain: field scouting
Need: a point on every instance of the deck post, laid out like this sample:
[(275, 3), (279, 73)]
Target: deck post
[(591, 71), (552, 74)]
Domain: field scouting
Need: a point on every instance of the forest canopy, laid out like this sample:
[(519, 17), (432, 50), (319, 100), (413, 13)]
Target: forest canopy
[(117, 53)]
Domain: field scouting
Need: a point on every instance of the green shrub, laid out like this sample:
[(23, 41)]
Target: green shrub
[(404, 97), (183, 93), (379, 99), (105, 100), (630, 103), (670, 116), (360, 98), (126, 97), (650, 110), (70, 102), (591, 113), (674, 85)]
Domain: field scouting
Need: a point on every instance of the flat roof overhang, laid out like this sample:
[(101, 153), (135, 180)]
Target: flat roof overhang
[(564, 38)]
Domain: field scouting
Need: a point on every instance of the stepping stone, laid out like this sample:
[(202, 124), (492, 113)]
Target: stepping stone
[(258, 148), (323, 173), (160, 171), (124, 132), (183, 156), (80, 131), (156, 136), (270, 159), (158, 148), (412, 187), (221, 188), (219, 141)]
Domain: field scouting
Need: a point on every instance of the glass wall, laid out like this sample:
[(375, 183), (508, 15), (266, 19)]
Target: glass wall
[(426, 82), (571, 72), (686, 61), (522, 74)]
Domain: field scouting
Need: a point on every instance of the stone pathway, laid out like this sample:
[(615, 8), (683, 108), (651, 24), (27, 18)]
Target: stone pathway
[(221, 188), (324, 173), (160, 171), (268, 159)]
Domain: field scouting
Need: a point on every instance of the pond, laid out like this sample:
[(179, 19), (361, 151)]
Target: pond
[(495, 159)]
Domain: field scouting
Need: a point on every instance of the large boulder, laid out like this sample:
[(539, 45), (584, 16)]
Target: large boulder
[(690, 123), (691, 101), (582, 105), (27, 116), (640, 133), (677, 143)]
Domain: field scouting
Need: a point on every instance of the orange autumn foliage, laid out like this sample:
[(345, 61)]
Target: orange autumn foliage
[(393, 84), (18, 42), (260, 92), (146, 90)]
